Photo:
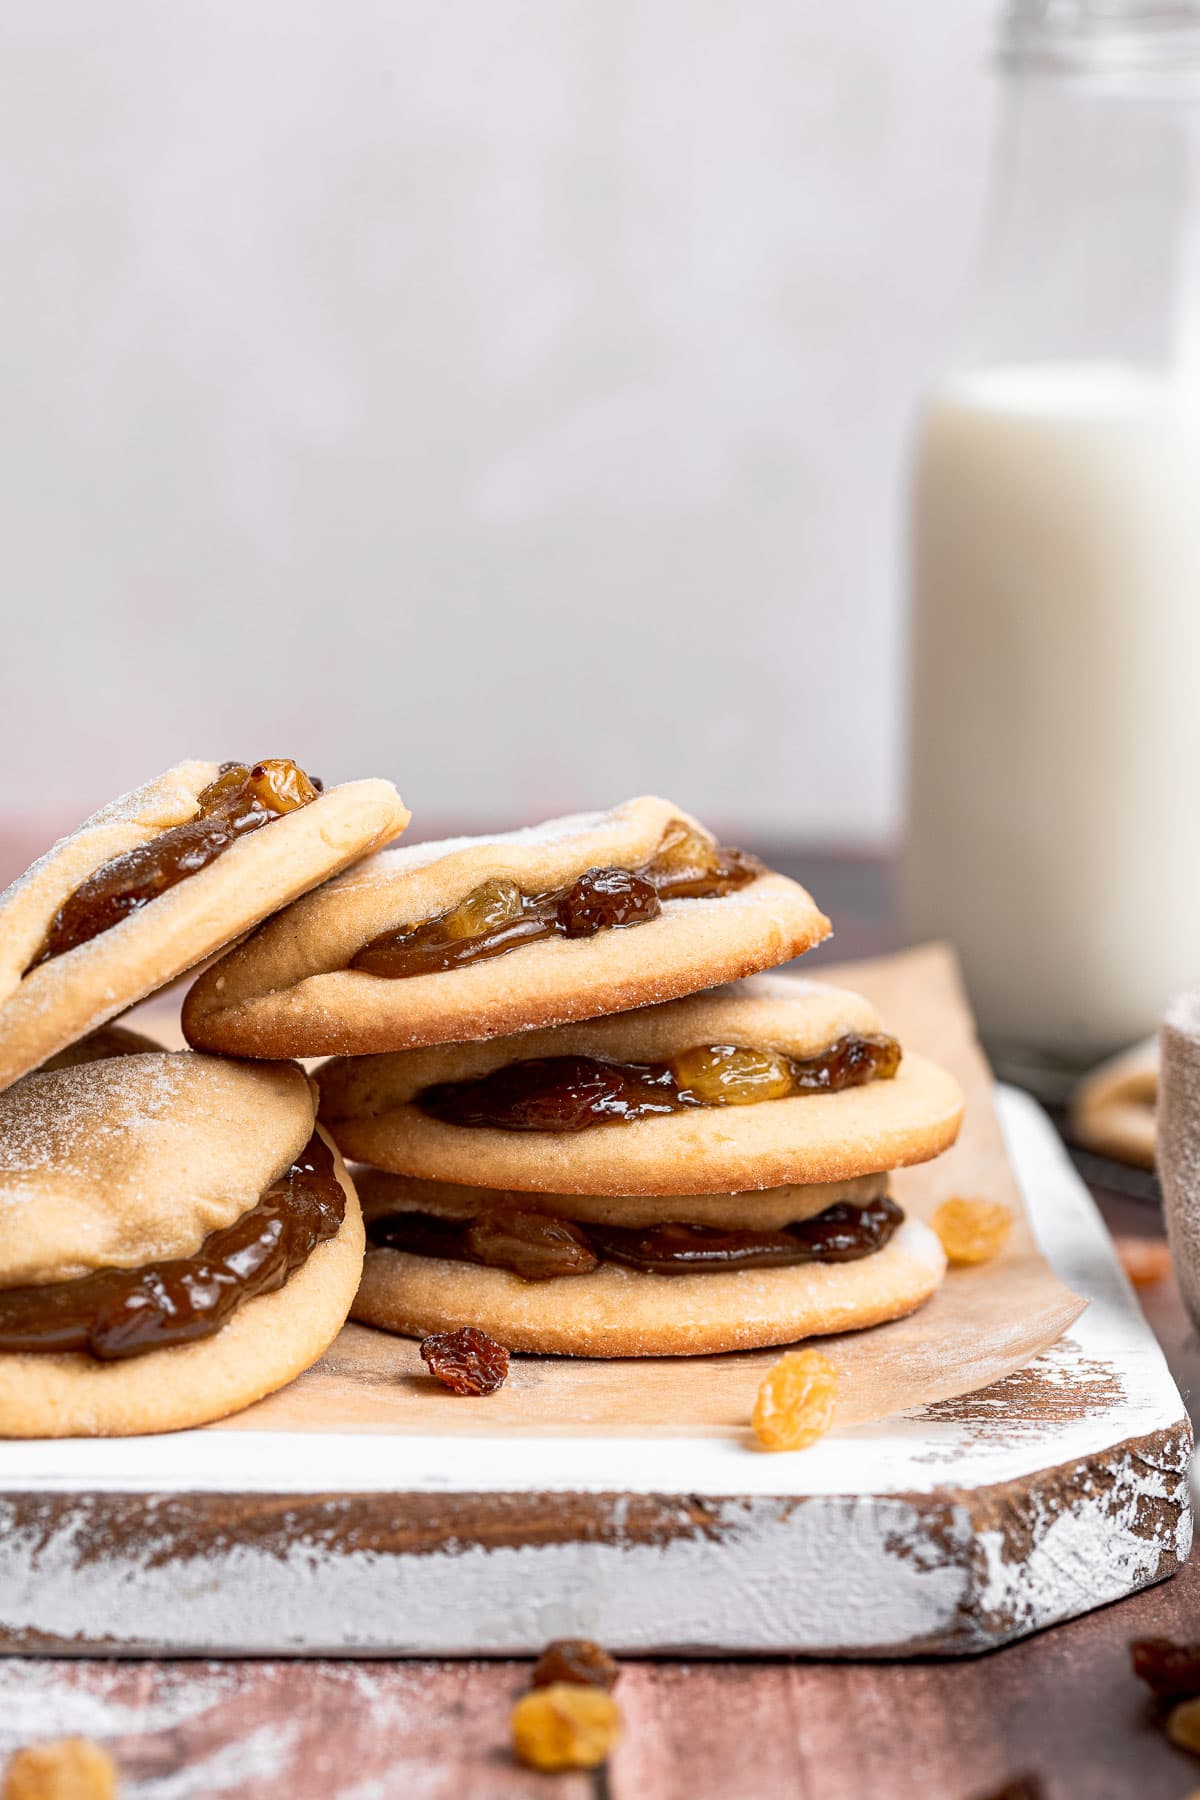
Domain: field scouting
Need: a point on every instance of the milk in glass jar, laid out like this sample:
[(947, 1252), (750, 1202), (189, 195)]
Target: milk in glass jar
[(1054, 772)]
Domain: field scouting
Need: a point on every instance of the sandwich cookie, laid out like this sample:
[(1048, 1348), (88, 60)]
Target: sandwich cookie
[(574, 1275), (476, 938), (177, 1239), (159, 881), (702, 1176), (762, 1084)]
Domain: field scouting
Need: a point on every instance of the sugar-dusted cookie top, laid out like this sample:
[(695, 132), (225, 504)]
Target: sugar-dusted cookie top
[(474, 938), (160, 880), (134, 1159)]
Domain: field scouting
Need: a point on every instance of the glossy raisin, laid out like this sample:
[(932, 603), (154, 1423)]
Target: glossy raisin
[(467, 1361), (575, 1660), (556, 1093), (724, 1075), (795, 1402), (1146, 1261), (69, 1769), (851, 1062), (606, 900), (688, 865), (536, 1246), (565, 1726), (280, 785), (1183, 1726), (842, 1233), (972, 1231), (488, 907), (1171, 1670)]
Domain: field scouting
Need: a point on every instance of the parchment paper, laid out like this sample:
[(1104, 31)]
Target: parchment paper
[(981, 1325)]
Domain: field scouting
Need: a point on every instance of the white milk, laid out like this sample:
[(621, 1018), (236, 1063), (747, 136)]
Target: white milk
[(1055, 761)]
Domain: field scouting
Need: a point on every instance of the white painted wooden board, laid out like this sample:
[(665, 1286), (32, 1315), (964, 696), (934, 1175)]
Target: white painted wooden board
[(951, 1528)]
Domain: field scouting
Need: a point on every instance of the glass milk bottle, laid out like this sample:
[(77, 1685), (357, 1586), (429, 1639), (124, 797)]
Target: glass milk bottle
[(1054, 773)]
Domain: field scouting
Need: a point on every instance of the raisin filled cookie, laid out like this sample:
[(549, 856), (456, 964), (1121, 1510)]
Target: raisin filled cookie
[(177, 1239), (706, 1175), (647, 1275), (475, 938), (764, 1083), (160, 880)]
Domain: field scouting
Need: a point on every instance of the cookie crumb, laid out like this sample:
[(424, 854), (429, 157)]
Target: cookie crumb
[(71, 1769)]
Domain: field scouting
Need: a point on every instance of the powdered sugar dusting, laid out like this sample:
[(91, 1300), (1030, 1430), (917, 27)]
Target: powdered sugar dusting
[(126, 809), (385, 865), (53, 1121), (36, 1703)]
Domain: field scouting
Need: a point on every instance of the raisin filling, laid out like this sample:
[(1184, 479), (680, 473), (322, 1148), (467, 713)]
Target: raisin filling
[(243, 798), (116, 1313), (572, 1093), (539, 1247), (497, 916)]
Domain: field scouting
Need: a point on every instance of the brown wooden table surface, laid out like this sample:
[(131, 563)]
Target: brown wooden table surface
[(1062, 1705)]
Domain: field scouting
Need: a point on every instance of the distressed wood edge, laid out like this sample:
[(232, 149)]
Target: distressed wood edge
[(989, 1532)]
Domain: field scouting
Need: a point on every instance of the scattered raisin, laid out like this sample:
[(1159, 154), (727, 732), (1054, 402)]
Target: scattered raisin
[(565, 1726), (795, 1401), (1146, 1261), (604, 899), (575, 1660), (1183, 1725), (71, 1769), (972, 1231), (1171, 1670), (467, 1361)]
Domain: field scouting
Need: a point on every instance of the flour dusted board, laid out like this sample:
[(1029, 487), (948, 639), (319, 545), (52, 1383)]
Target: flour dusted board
[(362, 1511)]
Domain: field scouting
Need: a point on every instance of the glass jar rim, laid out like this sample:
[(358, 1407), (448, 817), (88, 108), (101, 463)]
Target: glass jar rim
[(1105, 37)]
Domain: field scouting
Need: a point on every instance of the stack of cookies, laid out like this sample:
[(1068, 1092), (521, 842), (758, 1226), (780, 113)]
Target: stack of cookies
[(576, 1124), (579, 1116), (178, 1236)]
